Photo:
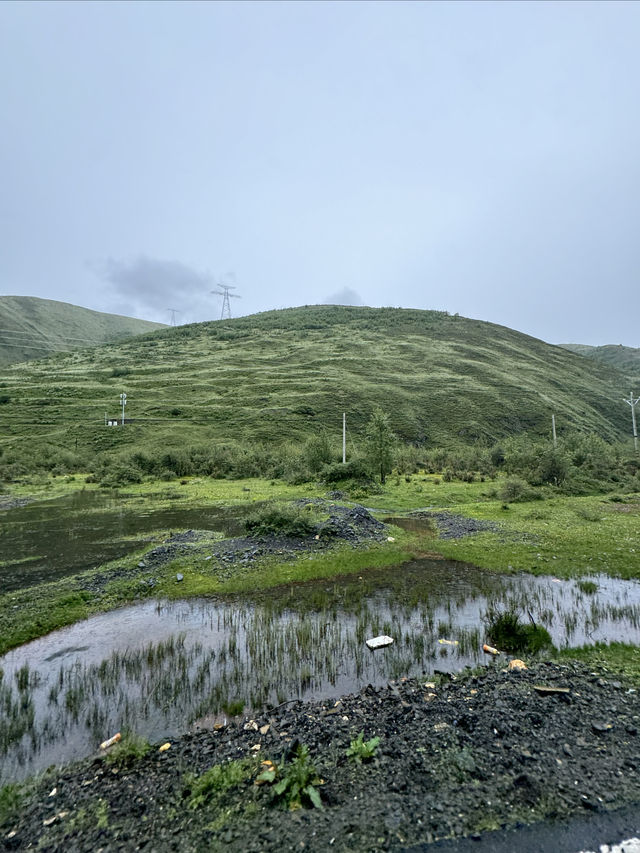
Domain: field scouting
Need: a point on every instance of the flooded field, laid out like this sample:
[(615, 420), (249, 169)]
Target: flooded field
[(158, 668), (46, 540)]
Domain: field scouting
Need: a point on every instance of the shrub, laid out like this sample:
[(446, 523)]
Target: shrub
[(515, 490), (279, 519), (357, 469)]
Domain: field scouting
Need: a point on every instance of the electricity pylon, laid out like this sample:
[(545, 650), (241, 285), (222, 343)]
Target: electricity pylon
[(224, 292)]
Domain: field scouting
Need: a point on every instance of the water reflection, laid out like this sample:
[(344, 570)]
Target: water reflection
[(46, 540), (156, 667)]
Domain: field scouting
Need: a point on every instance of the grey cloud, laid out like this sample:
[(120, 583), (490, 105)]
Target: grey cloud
[(150, 288), (345, 296)]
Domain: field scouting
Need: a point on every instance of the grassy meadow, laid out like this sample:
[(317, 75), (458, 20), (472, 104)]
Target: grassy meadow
[(283, 376), (560, 535)]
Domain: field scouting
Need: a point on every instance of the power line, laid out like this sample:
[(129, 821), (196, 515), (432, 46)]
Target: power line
[(49, 347), (44, 337)]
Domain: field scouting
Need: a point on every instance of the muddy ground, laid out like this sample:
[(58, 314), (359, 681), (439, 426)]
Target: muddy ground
[(457, 757)]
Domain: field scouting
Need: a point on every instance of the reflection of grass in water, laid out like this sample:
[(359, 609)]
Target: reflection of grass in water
[(270, 654)]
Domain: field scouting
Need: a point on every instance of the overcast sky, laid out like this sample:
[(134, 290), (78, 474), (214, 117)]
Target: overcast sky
[(479, 158)]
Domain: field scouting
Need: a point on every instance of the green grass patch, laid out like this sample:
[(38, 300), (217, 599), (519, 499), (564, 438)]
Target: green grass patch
[(550, 537), (618, 659), (205, 790)]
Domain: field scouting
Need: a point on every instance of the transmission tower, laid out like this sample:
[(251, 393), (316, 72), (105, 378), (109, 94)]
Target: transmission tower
[(223, 290), (173, 312), (633, 401)]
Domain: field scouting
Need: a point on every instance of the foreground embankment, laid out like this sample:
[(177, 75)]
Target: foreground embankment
[(455, 756)]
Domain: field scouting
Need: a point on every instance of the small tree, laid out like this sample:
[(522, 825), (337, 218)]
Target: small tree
[(380, 442)]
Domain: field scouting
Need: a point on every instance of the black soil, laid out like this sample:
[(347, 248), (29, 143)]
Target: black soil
[(470, 754)]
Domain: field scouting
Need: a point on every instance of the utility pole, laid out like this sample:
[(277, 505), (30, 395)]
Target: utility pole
[(173, 312), (553, 430), (632, 402), (123, 400), (344, 438)]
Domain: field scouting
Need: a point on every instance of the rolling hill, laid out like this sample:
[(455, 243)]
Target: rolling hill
[(285, 375), (34, 328), (624, 359)]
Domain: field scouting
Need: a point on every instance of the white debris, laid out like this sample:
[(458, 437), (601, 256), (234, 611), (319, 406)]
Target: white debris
[(379, 642)]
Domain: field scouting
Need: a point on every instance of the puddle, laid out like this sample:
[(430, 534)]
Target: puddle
[(46, 540), (158, 667), (413, 525)]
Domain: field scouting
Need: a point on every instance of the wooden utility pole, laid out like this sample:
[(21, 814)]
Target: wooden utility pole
[(632, 402)]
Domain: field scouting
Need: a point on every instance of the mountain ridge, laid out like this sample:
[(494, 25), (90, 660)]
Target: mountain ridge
[(287, 375), (32, 327)]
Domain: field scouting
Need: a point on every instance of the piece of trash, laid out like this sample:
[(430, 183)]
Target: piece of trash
[(516, 664), (53, 819), (209, 557), (251, 726), (264, 729), (53, 793), (379, 642), (448, 642), (490, 650), (256, 747), (543, 690), (430, 685), (179, 577), (164, 747), (440, 727), (111, 741), (391, 538), (267, 773), (217, 727), (556, 580)]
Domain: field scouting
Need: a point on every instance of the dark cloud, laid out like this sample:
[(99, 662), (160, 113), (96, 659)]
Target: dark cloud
[(151, 288), (346, 296)]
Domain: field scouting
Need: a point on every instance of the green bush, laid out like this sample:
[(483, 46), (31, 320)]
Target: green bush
[(280, 519), (515, 490)]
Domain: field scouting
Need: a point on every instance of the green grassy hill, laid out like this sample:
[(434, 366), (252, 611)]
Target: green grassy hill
[(624, 359), (284, 375), (34, 328)]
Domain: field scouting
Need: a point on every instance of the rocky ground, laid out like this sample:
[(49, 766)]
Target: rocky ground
[(457, 756), (354, 525)]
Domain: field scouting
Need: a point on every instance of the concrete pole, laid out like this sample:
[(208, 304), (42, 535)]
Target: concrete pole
[(632, 402), (123, 400), (553, 430), (344, 438)]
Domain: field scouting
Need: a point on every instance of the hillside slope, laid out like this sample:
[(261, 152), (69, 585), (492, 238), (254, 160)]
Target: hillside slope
[(624, 359), (287, 374), (34, 328)]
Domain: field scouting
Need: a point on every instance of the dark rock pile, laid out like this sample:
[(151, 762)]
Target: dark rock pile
[(456, 757)]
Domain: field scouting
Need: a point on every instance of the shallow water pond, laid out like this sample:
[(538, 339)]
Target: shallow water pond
[(158, 668), (46, 540)]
